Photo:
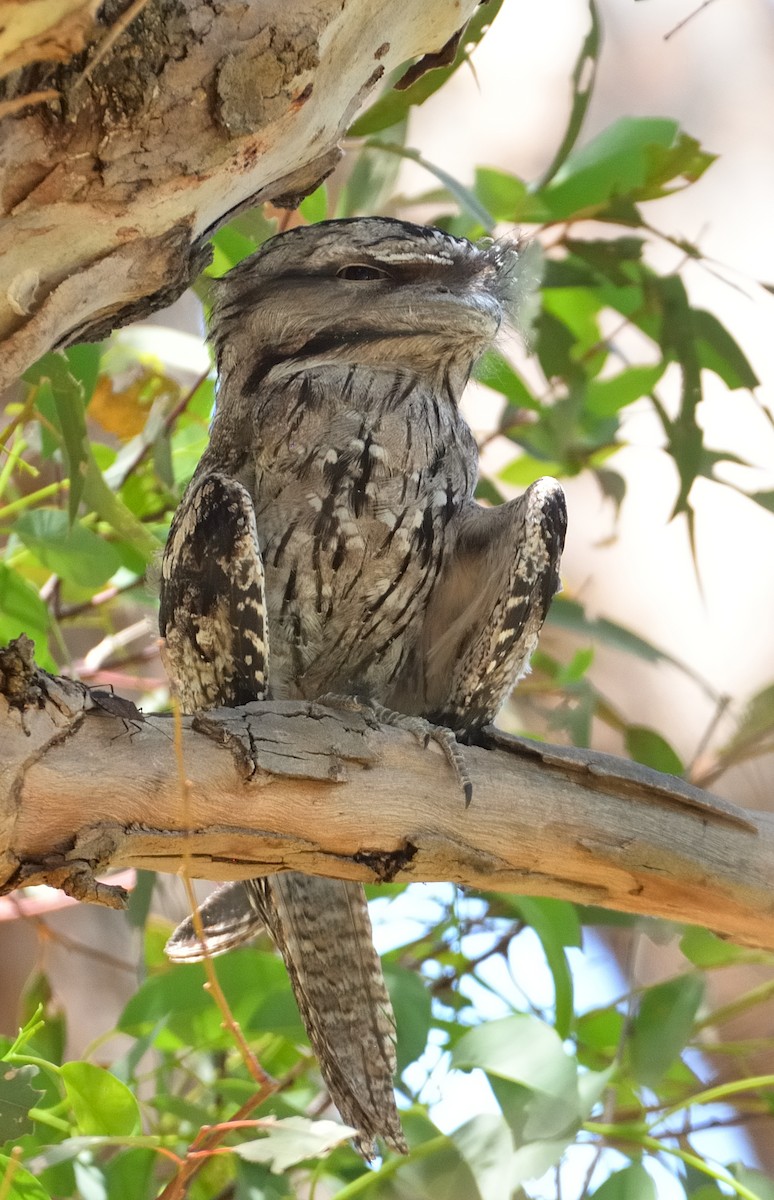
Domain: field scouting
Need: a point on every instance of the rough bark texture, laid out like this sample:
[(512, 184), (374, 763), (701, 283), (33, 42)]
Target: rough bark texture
[(150, 123), (86, 785)]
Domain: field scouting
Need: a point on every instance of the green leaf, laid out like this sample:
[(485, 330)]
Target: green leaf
[(525, 469), (314, 207), (371, 183), (393, 107), (86, 480), (103, 1106), (507, 197), (496, 372), (757, 720), (412, 1007), (255, 1182), (583, 78), (83, 362), (600, 1030), (67, 395), (755, 1181), (17, 1097), (556, 924), (71, 551), (129, 1175), (650, 748), (765, 499), (38, 999), (663, 1025), (23, 1186), (229, 248), (525, 1051), (632, 1183), (578, 310), (486, 1144), (570, 615), (466, 199), (719, 352), (631, 160), (605, 397), (21, 605), (175, 1005), (292, 1140), (705, 949)]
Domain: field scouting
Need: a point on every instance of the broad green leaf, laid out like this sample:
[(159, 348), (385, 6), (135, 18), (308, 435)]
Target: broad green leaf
[(17, 1097), (292, 1140), (464, 196), (70, 550), (138, 907), (67, 395), (256, 1182), (228, 248), (577, 309), (527, 1052), (22, 1186), (755, 1181), (600, 1031), (175, 1003), (129, 1175), (507, 197), (496, 372), (393, 107), (570, 615), (103, 1106), (412, 1007), (556, 924), (705, 949), (633, 160), (719, 352), (314, 207), (525, 469), (86, 479), (757, 720), (604, 397), (532, 1161), (438, 1170), (486, 1144), (663, 1026), (371, 183), (765, 499), (650, 748), (582, 79), (22, 611), (83, 362), (632, 1183)]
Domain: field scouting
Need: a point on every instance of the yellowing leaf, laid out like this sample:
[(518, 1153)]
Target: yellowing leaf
[(124, 413)]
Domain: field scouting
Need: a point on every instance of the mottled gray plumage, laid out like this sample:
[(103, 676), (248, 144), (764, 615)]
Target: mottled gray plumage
[(332, 516)]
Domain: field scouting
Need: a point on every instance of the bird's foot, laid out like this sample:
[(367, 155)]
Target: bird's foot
[(423, 729)]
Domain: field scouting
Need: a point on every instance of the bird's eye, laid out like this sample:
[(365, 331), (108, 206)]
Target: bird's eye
[(361, 271)]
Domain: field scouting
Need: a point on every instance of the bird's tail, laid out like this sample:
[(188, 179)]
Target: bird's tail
[(323, 931)]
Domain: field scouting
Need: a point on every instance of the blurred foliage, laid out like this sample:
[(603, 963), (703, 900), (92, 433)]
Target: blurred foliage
[(98, 445)]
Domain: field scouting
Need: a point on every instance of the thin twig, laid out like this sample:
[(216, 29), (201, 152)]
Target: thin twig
[(109, 40), (681, 24), (9, 107)]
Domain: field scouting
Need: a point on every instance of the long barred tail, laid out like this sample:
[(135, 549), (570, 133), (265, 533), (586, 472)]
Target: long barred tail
[(323, 931)]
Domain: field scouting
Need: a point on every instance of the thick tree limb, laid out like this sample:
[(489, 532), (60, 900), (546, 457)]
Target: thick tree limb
[(87, 784), (148, 123)]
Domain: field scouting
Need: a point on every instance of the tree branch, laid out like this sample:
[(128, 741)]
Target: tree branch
[(130, 132), (87, 784)]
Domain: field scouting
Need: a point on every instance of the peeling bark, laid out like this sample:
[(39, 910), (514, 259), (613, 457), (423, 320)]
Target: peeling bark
[(295, 786), (164, 118)]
